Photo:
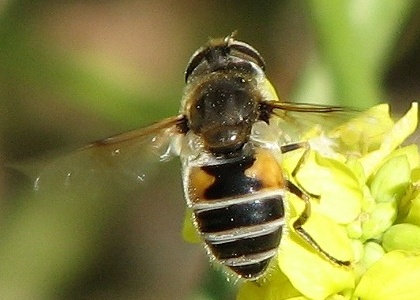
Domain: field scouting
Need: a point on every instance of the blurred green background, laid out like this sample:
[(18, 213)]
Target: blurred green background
[(76, 71)]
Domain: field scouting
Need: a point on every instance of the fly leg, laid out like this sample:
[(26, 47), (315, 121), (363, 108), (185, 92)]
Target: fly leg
[(301, 220), (295, 146), (304, 195)]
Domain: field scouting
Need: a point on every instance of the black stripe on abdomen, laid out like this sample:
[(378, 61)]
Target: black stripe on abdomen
[(240, 215), (230, 179), (246, 246)]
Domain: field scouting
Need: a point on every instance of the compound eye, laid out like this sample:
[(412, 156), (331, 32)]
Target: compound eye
[(212, 54), (195, 60), (218, 50), (247, 52)]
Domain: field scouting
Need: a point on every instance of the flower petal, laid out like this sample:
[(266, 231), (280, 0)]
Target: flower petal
[(395, 276), (395, 137), (403, 237), (379, 220), (189, 233), (392, 179), (339, 187), (365, 132), (413, 215)]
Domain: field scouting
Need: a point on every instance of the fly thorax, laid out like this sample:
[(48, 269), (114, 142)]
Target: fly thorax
[(224, 112)]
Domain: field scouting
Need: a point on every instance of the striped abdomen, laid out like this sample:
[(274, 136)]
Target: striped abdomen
[(239, 211)]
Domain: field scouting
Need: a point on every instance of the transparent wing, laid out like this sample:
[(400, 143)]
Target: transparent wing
[(304, 117), (82, 217), (126, 159), (347, 129)]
